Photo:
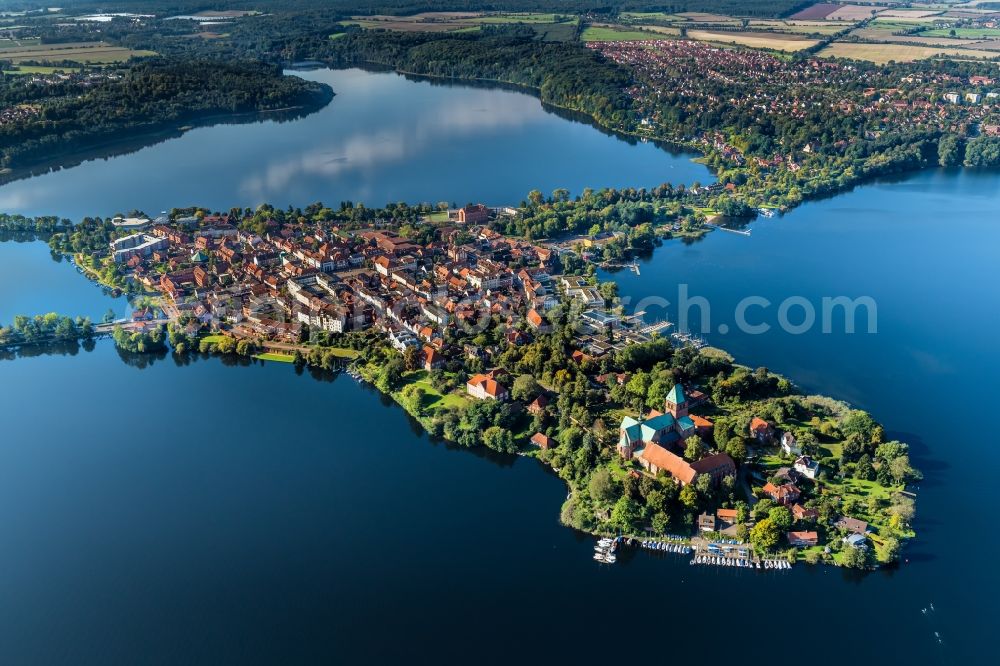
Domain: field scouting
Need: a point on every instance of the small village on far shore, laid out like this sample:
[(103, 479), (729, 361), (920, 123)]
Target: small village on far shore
[(490, 340)]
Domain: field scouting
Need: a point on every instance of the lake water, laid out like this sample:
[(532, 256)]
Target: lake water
[(162, 513), (383, 138), (33, 281)]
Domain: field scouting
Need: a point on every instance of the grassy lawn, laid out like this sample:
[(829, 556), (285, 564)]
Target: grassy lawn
[(271, 356), (438, 216), (861, 489), (343, 352), (600, 34), (434, 399), (214, 339)]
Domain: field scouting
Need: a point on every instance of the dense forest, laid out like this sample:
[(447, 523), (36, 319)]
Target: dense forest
[(400, 7), (146, 97)]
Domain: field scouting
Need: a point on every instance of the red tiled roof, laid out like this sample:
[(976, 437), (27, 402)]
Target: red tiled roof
[(678, 468), (700, 421), (713, 463), (489, 385), (543, 441)]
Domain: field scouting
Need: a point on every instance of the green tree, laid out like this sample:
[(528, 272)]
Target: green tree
[(499, 439), (737, 449), (950, 151), (764, 535), (695, 449), (625, 513), (660, 523), (602, 486), (412, 358), (525, 388), (413, 399), (855, 558), (781, 517), (689, 497), (889, 551)]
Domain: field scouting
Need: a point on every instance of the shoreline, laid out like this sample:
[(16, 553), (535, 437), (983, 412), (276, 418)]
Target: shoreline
[(116, 146), (704, 152), (528, 453)]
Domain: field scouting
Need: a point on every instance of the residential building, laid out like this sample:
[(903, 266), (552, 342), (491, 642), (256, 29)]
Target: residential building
[(852, 525), (788, 444), (786, 494), (804, 539), (485, 387), (761, 430), (807, 467), (542, 441)]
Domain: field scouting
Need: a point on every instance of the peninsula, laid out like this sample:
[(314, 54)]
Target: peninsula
[(490, 339)]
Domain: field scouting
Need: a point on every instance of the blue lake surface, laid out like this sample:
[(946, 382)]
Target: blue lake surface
[(33, 281), (384, 138), (156, 512)]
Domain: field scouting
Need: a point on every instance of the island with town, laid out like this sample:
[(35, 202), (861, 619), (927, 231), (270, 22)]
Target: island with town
[(489, 339)]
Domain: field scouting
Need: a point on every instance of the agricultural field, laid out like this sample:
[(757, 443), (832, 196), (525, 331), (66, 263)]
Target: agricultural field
[(883, 53), (703, 17), (21, 70), (818, 11), (829, 11), (852, 13), (519, 18), (596, 33), (910, 13), (82, 52), (801, 27), (397, 24), (650, 16), (964, 33), (548, 27), (757, 40), (884, 36)]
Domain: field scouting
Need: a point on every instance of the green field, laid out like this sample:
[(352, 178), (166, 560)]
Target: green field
[(518, 18), (963, 33), (600, 34), (40, 69), (83, 52)]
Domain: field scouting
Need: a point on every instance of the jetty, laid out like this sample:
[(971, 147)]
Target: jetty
[(689, 339)]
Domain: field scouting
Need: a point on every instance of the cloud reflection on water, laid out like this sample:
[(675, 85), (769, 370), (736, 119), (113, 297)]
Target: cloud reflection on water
[(407, 134)]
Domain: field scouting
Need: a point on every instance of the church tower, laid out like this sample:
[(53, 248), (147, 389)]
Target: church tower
[(676, 403)]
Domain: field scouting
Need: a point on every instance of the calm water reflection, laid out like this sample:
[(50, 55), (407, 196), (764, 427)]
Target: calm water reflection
[(383, 138)]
